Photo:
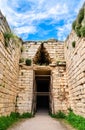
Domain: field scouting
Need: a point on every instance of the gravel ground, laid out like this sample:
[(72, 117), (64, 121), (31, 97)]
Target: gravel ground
[(41, 121)]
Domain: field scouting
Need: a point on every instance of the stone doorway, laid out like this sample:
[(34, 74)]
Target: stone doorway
[(42, 91)]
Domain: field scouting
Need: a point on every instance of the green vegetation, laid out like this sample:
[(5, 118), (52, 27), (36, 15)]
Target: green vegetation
[(76, 121), (28, 62), (21, 60), (22, 73), (73, 44), (82, 30), (59, 114), (77, 30), (59, 63), (77, 24), (80, 15), (22, 49), (6, 121), (74, 25), (7, 36), (26, 115)]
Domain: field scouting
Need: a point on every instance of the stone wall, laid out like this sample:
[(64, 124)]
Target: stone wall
[(25, 96), (75, 62), (17, 79), (60, 89), (4, 24), (55, 50), (58, 74), (9, 70)]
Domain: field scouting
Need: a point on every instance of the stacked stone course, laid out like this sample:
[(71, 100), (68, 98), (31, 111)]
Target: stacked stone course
[(9, 70), (17, 79), (58, 73), (67, 69), (75, 61)]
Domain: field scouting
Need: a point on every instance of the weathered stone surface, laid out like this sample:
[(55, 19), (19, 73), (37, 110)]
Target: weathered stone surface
[(58, 73), (67, 73), (9, 70), (75, 61)]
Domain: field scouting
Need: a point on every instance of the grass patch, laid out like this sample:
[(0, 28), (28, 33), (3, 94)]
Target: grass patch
[(7, 121), (59, 114), (26, 115), (76, 121)]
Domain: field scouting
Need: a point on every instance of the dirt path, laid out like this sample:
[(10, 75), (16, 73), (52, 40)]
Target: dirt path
[(41, 121)]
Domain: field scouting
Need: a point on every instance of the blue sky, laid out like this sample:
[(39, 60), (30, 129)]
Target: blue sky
[(41, 19)]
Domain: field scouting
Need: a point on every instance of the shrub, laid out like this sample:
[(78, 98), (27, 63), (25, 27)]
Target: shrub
[(6, 121), (76, 121), (21, 60), (80, 15), (15, 115), (26, 115), (78, 32), (22, 49), (59, 114), (74, 25), (28, 62), (82, 31), (77, 29), (73, 44), (77, 24), (7, 36)]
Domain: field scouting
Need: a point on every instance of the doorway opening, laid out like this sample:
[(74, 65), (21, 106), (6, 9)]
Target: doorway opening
[(42, 90), (42, 86)]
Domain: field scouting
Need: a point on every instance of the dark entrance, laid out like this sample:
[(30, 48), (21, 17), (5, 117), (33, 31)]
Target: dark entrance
[(42, 90), (42, 85)]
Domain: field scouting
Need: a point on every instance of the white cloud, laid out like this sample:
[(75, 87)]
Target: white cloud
[(63, 31), (25, 29), (27, 21)]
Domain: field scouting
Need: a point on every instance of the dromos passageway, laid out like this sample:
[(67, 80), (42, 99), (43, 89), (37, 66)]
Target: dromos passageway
[(41, 121)]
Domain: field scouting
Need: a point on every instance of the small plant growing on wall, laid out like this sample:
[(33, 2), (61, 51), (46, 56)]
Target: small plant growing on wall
[(28, 62), (73, 44), (7, 36), (22, 73), (21, 60), (22, 49), (67, 47)]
